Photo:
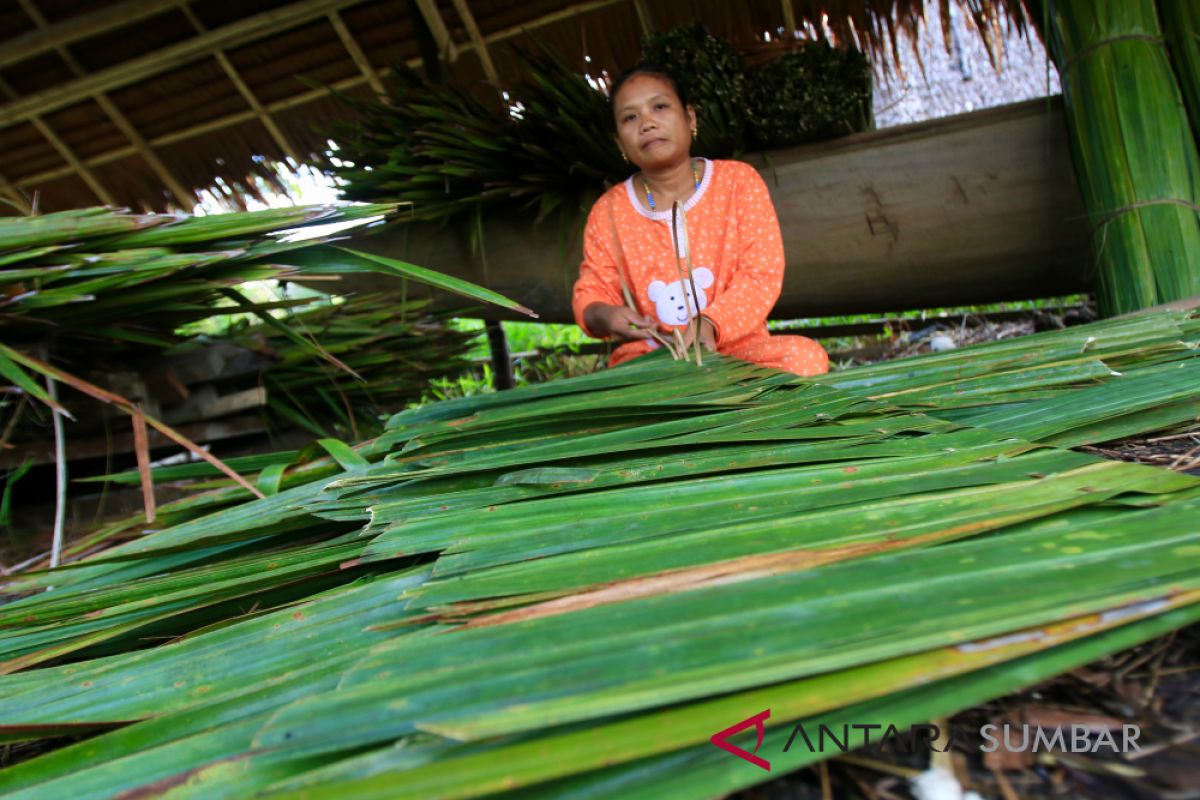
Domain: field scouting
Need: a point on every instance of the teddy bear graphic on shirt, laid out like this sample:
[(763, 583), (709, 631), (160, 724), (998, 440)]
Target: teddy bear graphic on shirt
[(674, 302)]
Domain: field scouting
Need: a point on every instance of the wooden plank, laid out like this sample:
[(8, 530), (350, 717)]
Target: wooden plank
[(977, 208), (42, 452), (207, 404)]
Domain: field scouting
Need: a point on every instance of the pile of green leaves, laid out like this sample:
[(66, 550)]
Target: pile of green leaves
[(811, 93), (566, 589)]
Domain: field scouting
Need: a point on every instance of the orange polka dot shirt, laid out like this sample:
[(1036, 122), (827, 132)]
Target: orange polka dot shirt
[(736, 251)]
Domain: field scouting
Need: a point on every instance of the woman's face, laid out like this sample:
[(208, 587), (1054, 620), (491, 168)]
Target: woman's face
[(653, 127)]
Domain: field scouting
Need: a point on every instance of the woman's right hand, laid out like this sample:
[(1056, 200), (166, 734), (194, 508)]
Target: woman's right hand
[(620, 323)]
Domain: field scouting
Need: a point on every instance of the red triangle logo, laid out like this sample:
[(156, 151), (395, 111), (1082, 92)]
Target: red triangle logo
[(720, 739)]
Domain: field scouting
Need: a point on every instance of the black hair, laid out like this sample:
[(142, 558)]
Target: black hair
[(646, 68)]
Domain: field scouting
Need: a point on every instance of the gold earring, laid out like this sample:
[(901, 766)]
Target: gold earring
[(695, 133), (624, 157)]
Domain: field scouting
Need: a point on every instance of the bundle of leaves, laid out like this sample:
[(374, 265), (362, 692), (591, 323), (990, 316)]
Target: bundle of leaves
[(713, 78), (442, 149), (813, 92)]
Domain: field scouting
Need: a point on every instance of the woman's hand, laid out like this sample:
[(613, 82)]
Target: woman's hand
[(708, 335), (620, 323)]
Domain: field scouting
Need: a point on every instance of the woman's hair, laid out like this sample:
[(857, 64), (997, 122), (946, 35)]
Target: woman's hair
[(646, 68)]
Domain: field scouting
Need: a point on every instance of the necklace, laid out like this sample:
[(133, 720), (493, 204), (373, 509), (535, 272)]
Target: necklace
[(650, 194)]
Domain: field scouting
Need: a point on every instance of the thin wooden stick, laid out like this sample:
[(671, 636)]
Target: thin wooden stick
[(141, 446), (619, 252), (105, 396), (693, 322)]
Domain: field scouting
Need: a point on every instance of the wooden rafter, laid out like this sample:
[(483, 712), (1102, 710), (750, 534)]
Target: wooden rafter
[(186, 198), (645, 21), (356, 52), (305, 97), (243, 88), (81, 27), (77, 166), (480, 44), (437, 26), (73, 161), (235, 34)]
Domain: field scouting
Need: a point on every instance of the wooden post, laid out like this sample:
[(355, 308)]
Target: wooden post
[(502, 371), (789, 19), (481, 49)]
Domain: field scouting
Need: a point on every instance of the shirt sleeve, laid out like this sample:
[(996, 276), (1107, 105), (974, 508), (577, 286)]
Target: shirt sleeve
[(598, 280), (757, 277)]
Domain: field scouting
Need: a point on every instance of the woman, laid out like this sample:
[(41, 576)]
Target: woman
[(736, 249)]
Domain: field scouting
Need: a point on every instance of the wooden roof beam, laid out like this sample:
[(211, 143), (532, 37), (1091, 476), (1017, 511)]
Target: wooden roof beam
[(76, 165), (645, 21), (275, 107), (477, 40), (235, 34), (356, 52), (437, 26), (244, 90), (81, 27), (186, 198)]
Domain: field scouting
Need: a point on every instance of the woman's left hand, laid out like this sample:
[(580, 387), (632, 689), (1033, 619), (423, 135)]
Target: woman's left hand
[(708, 335)]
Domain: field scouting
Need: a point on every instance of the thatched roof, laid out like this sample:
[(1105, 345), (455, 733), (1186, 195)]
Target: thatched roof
[(144, 102)]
